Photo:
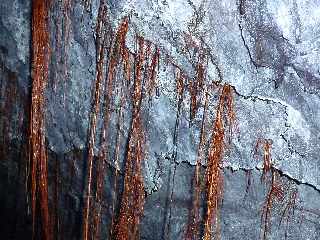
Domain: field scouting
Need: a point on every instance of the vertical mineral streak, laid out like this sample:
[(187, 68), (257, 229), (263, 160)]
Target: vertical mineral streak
[(38, 155), (93, 122), (214, 176), (289, 210), (196, 85), (271, 177), (278, 194), (115, 53), (275, 192), (192, 231), (116, 158), (152, 72), (267, 164), (124, 86), (180, 87), (101, 30), (114, 60), (133, 196)]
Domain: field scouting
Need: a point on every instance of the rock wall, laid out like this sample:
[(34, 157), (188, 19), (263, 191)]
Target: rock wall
[(267, 51)]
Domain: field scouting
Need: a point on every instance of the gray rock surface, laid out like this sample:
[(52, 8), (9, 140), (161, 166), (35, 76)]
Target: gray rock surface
[(268, 50)]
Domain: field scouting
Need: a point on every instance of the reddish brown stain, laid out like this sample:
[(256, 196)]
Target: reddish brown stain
[(38, 152), (214, 175)]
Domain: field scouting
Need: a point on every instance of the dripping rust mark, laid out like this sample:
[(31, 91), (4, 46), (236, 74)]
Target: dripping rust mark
[(214, 176), (100, 46), (38, 151), (101, 43), (192, 231), (280, 193), (197, 86), (133, 196)]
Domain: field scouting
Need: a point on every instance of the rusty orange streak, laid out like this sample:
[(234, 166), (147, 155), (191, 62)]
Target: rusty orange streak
[(38, 155)]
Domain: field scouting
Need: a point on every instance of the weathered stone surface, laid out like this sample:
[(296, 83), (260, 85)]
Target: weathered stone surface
[(268, 50)]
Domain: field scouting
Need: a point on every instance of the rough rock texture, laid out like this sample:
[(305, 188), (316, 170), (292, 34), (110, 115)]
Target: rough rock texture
[(268, 50)]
